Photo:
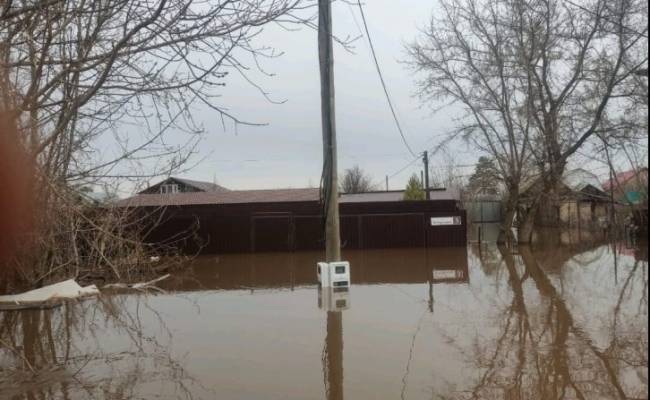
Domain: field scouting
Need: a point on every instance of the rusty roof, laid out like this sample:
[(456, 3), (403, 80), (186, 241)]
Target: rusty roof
[(226, 197)]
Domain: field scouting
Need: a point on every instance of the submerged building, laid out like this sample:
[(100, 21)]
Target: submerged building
[(207, 218)]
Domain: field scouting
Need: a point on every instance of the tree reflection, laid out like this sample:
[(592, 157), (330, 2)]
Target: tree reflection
[(541, 352), (67, 352)]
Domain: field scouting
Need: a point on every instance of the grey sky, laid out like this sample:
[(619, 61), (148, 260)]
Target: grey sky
[(287, 152)]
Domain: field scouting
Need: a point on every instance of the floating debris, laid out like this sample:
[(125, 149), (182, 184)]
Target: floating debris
[(47, 297)]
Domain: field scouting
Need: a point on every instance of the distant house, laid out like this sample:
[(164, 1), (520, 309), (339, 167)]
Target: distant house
[(630, 192), (174, 185), (629, 187), (584, 201), (582, 198)]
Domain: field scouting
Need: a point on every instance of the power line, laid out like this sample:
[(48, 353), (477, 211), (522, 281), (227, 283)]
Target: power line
[(383, 83), (417, 158)]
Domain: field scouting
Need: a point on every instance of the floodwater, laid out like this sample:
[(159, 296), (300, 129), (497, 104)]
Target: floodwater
[(563, 322)]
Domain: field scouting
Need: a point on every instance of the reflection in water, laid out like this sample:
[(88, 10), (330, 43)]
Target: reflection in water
[(291, 270), (95, 348), (333, 356), (334, 301), (566, 322), (541, 351)]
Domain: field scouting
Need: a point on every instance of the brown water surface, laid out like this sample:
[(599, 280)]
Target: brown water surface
[(553, 323)]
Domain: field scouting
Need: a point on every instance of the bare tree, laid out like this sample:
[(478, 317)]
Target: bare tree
[(103, 90), (448, 176), (356, 180), (468, 57), (536, 77), (588, 58)]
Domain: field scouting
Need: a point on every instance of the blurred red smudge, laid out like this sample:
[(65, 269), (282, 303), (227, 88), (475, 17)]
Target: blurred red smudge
[(16, 197)]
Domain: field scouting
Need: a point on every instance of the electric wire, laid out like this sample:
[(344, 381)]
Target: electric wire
[(383, 83), (399, 171)]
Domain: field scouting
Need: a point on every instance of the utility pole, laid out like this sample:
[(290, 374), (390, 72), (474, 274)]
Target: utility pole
[(387, 183), (326, 59), (334, 338), (425, 159)]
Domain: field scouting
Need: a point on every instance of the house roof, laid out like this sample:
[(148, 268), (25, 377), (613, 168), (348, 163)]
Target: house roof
[(267, 196), (578, 179), (575, 180), (200, 185), (223, 197), (622, 178)]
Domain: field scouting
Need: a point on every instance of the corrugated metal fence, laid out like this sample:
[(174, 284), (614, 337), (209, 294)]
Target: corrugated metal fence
[(292, 227)]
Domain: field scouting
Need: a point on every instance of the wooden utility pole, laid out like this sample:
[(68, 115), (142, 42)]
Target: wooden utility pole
[(326, 59), (425, 159)]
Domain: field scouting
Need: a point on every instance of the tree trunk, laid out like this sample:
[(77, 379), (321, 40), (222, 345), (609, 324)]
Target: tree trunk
[(548, 208), (505, 229), (527, 225)]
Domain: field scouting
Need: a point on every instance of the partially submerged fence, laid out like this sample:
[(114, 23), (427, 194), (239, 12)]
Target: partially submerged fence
[(483, 218), (484, 211), (293, 226)]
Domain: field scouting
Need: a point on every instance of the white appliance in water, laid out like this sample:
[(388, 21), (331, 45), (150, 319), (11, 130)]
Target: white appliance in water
[(333, 299), (335, 274)]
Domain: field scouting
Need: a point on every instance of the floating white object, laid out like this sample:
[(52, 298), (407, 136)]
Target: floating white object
[(63, 290), (335, 274), (333, 299)]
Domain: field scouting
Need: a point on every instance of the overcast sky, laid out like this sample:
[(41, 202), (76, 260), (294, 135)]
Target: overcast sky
[(287, 152)]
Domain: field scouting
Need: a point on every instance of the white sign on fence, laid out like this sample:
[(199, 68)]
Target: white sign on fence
[(440, 221)]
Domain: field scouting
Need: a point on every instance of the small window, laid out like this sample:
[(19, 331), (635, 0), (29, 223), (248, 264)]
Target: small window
[(340, 303), (169, 188), (339, 270)]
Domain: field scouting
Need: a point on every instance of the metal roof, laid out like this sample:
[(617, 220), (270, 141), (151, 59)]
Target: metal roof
[(622, 178), (226, 197), (579, 178), (268, 196), (200, 185), (207, 186)]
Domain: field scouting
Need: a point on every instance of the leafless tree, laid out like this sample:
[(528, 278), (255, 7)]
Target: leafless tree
[(536, 77), (356, 180), (466, 57), (104, 90), (448, 176)]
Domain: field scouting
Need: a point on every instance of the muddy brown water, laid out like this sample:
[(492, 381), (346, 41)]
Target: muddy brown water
[(554, 323)]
